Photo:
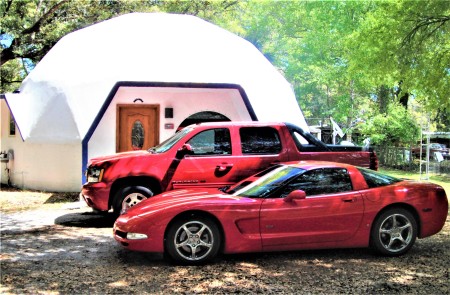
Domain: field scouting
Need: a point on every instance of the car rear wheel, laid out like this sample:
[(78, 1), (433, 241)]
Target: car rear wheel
[(194, 240), (130, 196), (394, 232)]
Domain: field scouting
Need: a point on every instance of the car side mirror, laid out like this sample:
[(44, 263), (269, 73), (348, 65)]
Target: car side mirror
[(295, 195), (186, 149)]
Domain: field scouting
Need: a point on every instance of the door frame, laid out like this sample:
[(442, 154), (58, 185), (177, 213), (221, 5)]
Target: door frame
[(92, 126), (136, 106)]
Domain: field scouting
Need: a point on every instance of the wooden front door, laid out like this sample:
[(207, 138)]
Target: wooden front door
[(137, 127)]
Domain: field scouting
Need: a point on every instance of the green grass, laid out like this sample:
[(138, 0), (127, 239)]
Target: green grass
[(442, 180)]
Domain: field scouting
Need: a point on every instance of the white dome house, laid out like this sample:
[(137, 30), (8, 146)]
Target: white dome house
[(168, 70)]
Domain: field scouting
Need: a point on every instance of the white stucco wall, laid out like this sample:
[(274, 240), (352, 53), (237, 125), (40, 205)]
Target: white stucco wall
[(184, 101), (46, 167)]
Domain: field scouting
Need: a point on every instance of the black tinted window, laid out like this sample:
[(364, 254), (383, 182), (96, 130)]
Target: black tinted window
[(375, 179), (211, 142), (321, 181), (260, 140)]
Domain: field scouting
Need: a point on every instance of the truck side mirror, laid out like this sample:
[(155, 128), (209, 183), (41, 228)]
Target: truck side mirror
[(295, 195), (186, 149)]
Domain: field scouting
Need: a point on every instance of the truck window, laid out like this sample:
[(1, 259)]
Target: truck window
[(303, 144), (260, 140), (171, 141), (211, 142), (305, 141)]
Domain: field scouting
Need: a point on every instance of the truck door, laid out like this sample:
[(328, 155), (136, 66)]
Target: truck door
[(260, 147), (211, 162)]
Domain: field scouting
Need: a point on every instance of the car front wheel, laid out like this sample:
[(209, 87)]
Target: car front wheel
[(194, 240), (394, 232)]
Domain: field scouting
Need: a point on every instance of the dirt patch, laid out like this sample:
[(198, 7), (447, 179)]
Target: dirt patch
[(13, 199), (57, 250)]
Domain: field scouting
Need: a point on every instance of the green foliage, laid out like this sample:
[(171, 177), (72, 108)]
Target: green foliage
[(394, 128), (341, 55), (308, 42), (407, 41)]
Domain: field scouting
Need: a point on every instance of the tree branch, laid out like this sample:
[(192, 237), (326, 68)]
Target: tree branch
[(8, 6), (37, 25), (11, 81), (7, 54), (228, 4), (423, 24)]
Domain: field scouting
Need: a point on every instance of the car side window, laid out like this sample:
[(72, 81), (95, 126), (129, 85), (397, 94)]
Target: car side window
[(375, 179), (260, 140), (211, 142), (320, 182)]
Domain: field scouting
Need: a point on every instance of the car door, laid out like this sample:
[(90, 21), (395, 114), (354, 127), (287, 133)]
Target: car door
[(210, 163), (332, 211)]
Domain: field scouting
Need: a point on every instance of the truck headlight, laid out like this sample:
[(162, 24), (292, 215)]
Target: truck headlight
[(94, 174)]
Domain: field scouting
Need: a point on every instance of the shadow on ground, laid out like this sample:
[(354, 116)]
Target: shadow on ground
[(87, 219)]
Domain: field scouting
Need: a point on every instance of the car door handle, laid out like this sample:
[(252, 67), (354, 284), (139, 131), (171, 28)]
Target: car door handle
[(349, 200), (224, 167)]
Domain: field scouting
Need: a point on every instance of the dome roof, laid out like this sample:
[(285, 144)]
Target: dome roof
[(61, 97)]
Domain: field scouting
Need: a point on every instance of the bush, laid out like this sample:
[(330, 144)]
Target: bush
[(394, 128)]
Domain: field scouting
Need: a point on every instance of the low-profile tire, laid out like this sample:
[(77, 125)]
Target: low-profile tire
[(130, 196), (193, 240), (394, 232)]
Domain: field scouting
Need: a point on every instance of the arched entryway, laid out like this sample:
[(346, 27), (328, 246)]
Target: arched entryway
[(202, 117)]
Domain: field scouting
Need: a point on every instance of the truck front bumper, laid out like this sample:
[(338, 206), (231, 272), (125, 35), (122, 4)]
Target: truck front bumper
[(96, 195)]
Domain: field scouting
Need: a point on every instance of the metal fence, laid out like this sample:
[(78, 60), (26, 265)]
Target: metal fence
[(403, 158)]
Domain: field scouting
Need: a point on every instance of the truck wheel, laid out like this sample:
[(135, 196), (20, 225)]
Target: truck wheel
[(394, 232), (129, 196), (194, 240)]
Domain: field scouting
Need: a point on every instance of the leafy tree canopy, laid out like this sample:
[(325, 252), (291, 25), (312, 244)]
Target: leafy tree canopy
[(395, 127), (343, 55)]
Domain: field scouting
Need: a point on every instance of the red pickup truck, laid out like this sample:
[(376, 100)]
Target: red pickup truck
[(206, 155)]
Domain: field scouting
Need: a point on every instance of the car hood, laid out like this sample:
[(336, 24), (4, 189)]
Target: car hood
[(194, 197)]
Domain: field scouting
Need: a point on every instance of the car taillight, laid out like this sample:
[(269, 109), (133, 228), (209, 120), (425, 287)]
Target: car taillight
[(373, 161)]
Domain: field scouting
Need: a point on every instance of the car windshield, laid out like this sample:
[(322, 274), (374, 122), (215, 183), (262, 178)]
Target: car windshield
[(171, 141), (269, 182)]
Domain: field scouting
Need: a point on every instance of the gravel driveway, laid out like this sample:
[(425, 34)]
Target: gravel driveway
[(72, 251)]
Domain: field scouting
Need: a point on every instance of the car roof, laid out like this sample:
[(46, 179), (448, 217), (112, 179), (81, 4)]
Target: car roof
[(309, 165)]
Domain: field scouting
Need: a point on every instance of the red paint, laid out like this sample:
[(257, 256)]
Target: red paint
[(162, 171), (336, 220)]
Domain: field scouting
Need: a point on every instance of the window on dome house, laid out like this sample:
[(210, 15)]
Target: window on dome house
[(137, 135), (12, 125)]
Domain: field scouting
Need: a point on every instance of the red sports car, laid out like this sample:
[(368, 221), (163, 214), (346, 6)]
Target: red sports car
[(303, 205)]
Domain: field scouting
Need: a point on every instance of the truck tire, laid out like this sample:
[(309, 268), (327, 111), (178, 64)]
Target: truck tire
[(129, 196)]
